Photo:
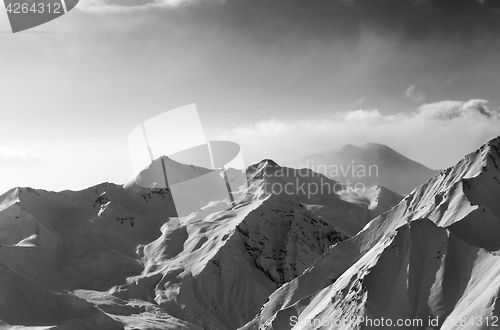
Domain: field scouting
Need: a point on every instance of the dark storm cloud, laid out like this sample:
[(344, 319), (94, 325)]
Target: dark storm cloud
[(328, 19)]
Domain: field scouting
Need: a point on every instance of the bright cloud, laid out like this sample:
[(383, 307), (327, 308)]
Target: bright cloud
[(10, 158), (436, 134), (129, 5), (6, 153), (448, 110)]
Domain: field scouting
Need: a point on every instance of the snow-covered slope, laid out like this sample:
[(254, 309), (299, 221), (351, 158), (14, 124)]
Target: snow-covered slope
[(370, 164), (377, 199), (434, 258), (117, 257), (217, 271), (347, 209)]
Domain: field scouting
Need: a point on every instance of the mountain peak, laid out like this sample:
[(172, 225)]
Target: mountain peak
[(484, 159), (363, 150), (374, 145), (495, 141), (262, 165), (154, 174), (269, 162), (348, 148), (494, 147), (9, 198)]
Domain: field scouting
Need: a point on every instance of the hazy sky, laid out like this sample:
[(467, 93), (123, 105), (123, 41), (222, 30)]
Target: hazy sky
[(283, 78)]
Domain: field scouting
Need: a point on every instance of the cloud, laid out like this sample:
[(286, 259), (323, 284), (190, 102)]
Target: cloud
[(413, 94), (16, 157), (358, 102), (448, 110), (6, 153), (452, 79), (435, 134), (132, 5)]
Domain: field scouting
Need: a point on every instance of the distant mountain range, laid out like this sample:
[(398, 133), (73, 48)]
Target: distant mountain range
[(297, 247), (370, 164)]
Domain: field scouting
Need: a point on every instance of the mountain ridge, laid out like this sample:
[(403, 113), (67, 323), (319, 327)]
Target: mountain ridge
[(122, 251), (117, 256)]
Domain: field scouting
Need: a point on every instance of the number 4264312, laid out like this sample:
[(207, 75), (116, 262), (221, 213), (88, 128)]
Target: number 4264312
[(34, 8)]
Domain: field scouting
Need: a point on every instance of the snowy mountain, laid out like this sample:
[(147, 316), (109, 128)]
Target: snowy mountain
[(432, 261), (297, 249), (118, 256), (370, 164)]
